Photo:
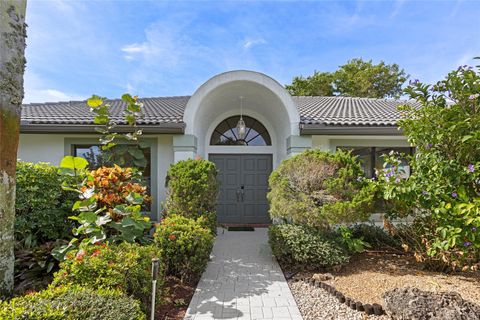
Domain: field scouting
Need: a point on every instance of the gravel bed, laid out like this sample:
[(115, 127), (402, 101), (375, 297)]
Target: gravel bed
[(315, 303)]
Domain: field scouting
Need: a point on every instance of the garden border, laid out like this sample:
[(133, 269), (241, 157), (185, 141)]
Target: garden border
[(369, 309)]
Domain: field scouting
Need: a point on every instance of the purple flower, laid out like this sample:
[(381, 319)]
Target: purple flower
[(428, 146), (467, 244), (397, 180), (474, 229), (473, 96), (471, 168), (425, 193), (454, 194)]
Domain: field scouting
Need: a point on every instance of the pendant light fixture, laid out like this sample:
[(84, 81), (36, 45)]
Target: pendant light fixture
[(241, 127)]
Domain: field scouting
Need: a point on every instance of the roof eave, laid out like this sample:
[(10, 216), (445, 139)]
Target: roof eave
[(321, 129), (87, 128)]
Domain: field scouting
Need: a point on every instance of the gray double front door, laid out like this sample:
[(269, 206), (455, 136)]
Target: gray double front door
[(243, 187)]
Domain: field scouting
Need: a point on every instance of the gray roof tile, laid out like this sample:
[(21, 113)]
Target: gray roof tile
[(329, 111)]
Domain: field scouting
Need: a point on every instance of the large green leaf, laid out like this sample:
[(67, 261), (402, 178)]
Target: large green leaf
[(73, 163)]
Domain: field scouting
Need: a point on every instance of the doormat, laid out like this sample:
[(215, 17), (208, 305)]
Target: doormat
[(241, 229)]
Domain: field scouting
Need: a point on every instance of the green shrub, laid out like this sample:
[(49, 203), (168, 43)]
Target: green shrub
[(377, 237), (302, 245), (442, 193), (192, 189), (42, 208), (186, 246), (72, 303), (318, 188), (126, 267)]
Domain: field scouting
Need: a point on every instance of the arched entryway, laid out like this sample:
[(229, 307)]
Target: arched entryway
[(244, 166), (243, 176)]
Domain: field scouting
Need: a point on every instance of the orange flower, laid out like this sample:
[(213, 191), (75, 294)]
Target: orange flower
[(172, 237), (96, 253), (80, 254)]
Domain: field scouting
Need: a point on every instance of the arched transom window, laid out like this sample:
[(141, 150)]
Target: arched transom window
[(226, 133)]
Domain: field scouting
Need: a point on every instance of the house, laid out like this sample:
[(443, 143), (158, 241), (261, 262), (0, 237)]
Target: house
[(277, 126)]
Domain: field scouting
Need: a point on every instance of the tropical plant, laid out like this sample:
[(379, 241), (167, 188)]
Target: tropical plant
[(131, 151), (443, 192), (320, 189), (109, 207), (186, 245), (353, 244)]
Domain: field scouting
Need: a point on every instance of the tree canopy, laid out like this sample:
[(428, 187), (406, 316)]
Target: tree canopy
[(356, 78)]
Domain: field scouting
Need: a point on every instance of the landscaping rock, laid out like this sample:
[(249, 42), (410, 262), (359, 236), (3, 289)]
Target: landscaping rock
[(414, 304)]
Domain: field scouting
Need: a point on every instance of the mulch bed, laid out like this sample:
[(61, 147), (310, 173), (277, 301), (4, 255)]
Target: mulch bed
[(177, 296), (368, 275)]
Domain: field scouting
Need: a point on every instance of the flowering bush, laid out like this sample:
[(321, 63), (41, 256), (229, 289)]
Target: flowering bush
[(186, 245), (125, 267), (192, 190), (319, 189), (443, 192)]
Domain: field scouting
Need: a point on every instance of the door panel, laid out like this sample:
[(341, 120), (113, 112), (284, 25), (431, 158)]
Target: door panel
[(251, 172)]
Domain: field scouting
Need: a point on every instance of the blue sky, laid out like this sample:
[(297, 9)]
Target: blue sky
[(153, 48)]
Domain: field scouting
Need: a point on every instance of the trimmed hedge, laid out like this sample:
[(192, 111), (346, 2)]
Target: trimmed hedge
[(186, 245), (192, 190), (42, 207), (320, 189), (302, 245), (72, 303)]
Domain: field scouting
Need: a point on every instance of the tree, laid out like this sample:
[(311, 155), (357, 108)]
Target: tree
[(12, 67), (319, 84), (356, 78)]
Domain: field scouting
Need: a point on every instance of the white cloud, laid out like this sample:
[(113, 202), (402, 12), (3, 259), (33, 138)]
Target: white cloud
[(36, 91), (248, 43)]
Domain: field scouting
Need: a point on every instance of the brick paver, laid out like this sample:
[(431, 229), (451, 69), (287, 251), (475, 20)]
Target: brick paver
[(243, 281)]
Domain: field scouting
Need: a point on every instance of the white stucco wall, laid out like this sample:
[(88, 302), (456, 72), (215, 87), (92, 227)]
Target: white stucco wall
[(41, 148)]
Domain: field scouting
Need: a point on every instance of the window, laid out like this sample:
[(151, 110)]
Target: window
[(226, 133), (371, 158)]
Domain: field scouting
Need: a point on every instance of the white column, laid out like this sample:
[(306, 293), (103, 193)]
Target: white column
[(184, 147), (298, 144)]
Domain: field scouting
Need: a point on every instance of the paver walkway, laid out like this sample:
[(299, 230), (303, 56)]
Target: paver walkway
[(242, 281)]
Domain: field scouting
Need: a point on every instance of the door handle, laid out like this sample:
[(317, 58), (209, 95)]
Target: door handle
[(238, 195), (242, 188)]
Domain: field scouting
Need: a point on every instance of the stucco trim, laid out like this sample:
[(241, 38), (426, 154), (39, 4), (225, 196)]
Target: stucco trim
[(195, 102)]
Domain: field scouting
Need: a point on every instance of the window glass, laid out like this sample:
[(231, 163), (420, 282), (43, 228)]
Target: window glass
[(226, 133), (371, 158), (404, 166)]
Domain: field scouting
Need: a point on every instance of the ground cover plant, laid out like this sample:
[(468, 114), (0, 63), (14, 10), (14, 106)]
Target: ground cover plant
[(442, 194)]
